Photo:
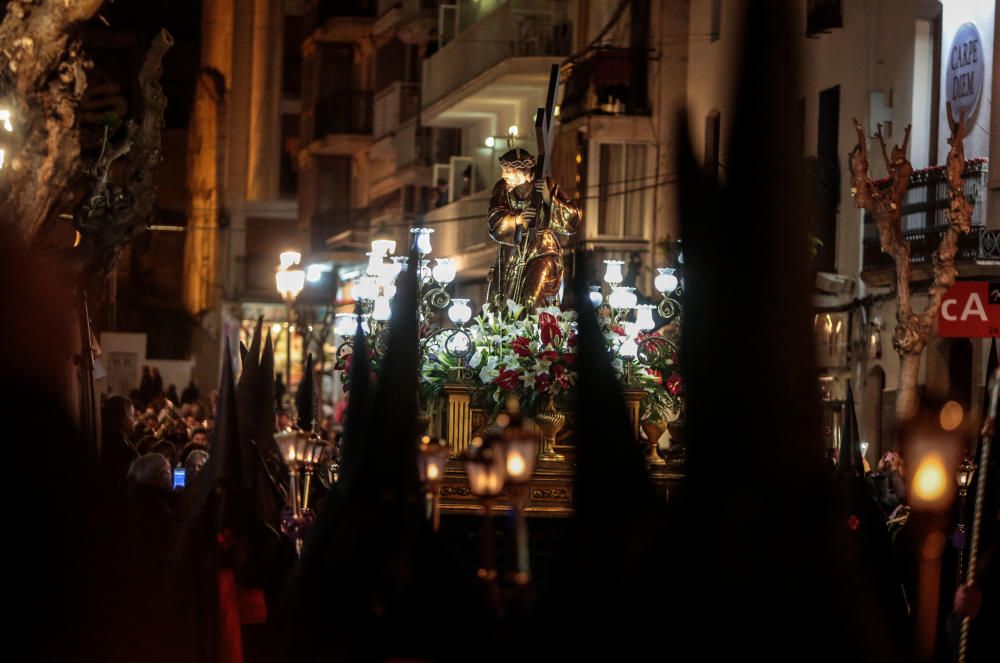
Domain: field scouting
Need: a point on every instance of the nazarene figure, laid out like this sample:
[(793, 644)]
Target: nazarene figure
[(527, 217)]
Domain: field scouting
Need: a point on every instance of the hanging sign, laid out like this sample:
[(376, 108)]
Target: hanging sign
[(970, 309), (965, 70)]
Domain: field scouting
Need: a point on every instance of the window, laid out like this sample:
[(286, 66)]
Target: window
[(291, 61), (289, 173), (624, 189), (823, 16)]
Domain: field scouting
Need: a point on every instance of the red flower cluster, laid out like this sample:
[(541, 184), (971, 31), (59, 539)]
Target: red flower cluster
[(508, 380), (562, 375), (674, 384), (549, 330), (520, 346)]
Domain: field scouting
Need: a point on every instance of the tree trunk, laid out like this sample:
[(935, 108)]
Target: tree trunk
[(42, 70), (906, 395)]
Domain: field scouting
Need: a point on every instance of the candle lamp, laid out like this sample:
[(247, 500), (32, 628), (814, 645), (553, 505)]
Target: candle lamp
[(484, 467), (520, 445), (430, 463)]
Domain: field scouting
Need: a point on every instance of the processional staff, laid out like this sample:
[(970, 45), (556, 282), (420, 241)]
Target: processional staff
[(989, 427)]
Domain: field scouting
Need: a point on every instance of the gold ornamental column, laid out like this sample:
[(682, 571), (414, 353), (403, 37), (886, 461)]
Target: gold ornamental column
[(459, 417), (632, 399)]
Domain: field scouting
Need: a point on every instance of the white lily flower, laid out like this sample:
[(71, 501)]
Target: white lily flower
[(514, 308), (554, 311), (477, 358), (487, 375), (618, 366), (528, 379)]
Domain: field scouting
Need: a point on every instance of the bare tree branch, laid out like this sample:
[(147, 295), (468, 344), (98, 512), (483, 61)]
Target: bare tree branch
[(913, 330), (114, 213)]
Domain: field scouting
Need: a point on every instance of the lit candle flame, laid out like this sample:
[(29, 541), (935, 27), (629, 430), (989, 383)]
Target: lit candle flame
[(930, 481), (515, 464)]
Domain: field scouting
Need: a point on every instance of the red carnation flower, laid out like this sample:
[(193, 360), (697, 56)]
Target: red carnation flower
[(542, 382), (520, 346), (674, 384)]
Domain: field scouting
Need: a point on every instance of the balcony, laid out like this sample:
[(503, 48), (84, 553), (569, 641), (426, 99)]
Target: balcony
[(497, 62), (413, 20), (339, 123), (461, 233), (599, 84), (925, 221), (395, 105)]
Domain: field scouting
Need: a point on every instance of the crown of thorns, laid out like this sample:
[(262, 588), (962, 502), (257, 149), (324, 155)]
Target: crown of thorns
[(518, 159)]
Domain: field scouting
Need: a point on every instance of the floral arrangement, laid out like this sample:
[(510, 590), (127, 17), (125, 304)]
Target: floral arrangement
[(533, 356)]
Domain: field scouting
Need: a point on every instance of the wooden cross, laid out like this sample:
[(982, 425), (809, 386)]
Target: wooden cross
[(544, 130)]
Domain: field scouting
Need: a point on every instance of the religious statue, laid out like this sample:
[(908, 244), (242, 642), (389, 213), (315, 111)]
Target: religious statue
[(527, 216)]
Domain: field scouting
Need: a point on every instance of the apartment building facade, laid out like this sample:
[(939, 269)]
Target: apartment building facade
[(242, 175), (444, 84), (887, 63)]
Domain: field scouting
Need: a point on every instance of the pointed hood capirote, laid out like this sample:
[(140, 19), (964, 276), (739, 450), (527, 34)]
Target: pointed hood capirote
[(757, 506), (369, 564), (214, 520), (851, 460), (359, 405), (305, 397)]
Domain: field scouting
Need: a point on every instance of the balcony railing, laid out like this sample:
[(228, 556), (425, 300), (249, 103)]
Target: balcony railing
[(925, 218), (518, 28), (600, 83), (325, 224), (394, 105), (339, 113)]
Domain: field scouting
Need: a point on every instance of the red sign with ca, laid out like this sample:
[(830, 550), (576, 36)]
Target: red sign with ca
[(970, 309)]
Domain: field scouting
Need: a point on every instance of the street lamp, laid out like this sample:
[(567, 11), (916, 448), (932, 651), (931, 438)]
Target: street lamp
[(289, 258), (290, 283)]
